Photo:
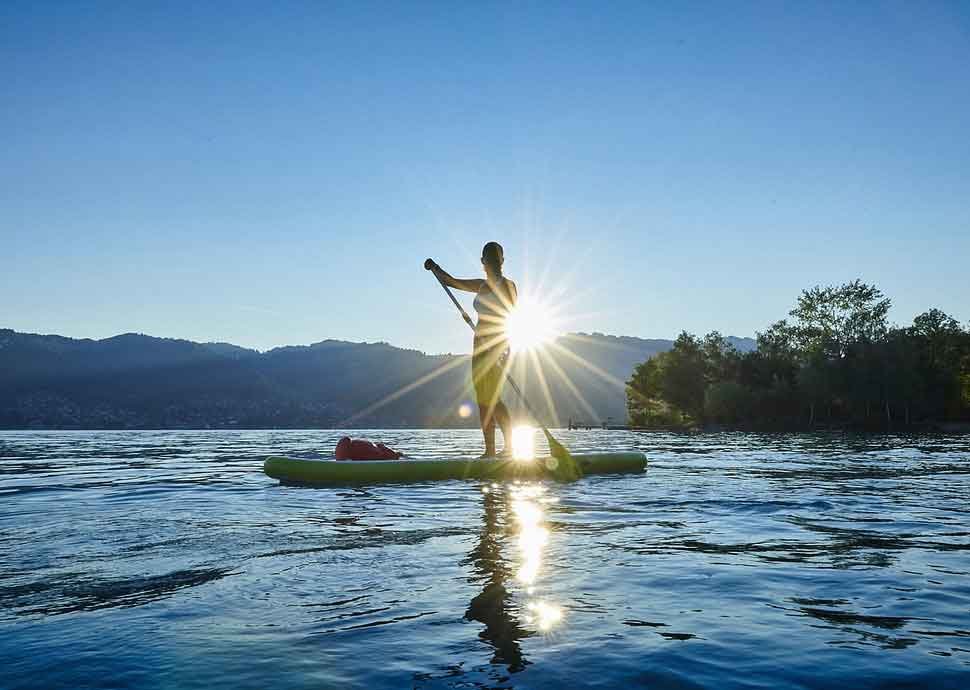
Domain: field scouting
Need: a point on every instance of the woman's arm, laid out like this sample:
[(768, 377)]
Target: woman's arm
[(466, 284)]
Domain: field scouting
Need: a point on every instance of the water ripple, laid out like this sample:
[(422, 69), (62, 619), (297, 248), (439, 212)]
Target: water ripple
[(735, 561)]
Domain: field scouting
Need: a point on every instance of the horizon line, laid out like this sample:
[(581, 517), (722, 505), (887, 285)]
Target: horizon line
[(326, 340)]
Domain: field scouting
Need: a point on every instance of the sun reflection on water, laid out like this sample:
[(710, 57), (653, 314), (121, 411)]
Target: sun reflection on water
[(533, 535), (545, 615), (523, 443)]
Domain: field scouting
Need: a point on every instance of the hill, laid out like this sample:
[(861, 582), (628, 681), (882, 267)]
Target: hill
[(138, 381)]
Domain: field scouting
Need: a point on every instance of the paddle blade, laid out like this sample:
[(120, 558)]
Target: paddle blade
[(566, 469)]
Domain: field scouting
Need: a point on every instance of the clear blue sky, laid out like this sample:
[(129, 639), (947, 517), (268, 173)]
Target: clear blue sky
[(275, 173)]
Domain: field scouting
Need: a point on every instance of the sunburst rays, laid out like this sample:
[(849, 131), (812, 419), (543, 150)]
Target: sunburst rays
[(545, 363), (447, 366)]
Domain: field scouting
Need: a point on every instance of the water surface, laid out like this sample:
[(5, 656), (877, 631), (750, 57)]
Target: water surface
[(164, 559)]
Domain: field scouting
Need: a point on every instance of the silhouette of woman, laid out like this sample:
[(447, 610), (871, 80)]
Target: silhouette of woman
[(495, 297)]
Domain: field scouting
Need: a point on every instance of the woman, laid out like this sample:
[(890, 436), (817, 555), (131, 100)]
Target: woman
[(495, 297)]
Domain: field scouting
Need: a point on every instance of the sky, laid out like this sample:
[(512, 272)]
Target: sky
[(276, 173)]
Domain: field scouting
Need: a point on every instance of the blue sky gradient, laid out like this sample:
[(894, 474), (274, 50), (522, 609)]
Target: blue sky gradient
[(276, 173)]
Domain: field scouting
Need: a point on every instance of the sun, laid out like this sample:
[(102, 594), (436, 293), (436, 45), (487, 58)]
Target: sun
[(529, 325)]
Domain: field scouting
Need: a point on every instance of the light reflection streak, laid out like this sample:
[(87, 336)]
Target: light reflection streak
[(510, 604), (533, 536)]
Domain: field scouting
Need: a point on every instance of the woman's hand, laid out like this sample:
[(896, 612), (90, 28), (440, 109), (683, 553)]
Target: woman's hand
[(430, 265)]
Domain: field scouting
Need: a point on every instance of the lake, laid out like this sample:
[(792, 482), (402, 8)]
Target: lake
[(166, 559)]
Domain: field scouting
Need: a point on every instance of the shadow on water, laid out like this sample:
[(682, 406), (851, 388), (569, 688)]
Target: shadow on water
[(861, 629), (493, 606), (68, 594)]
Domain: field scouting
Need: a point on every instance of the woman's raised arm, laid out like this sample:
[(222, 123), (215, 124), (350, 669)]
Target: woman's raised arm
[(466, 284)]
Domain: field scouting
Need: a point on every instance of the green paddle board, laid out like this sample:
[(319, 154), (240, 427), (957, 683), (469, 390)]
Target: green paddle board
[(300, 471)]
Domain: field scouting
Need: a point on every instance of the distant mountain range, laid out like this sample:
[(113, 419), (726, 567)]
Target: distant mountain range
[(139, 381)]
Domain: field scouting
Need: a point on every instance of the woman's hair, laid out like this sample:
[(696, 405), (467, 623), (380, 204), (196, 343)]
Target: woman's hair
[(493, 255)]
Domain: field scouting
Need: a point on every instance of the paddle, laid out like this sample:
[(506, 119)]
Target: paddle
[(566, 467)]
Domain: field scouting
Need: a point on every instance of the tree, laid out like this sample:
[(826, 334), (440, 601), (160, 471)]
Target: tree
[(779, 341), (816, 380), (903, 384), (645, 398), (837, 353), (675, 378), (727, 402), (965, 377), (683, 377), (941, 346), (832, 319), (721, 359), (774, 362), (643, 390)]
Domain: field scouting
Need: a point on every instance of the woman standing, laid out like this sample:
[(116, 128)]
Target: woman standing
[(495, 297)]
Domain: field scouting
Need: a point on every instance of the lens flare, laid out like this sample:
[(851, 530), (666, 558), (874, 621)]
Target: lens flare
[(529, 325)]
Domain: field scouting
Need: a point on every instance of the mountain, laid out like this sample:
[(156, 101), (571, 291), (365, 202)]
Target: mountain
[(138, 381)]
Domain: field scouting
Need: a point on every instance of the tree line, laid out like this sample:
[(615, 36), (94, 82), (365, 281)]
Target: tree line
[(836, 362)]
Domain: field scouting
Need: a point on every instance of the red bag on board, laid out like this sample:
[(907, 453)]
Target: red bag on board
[(359, 449)]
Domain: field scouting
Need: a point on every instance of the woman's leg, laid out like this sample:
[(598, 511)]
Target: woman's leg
[(505, 423), (486, 415)]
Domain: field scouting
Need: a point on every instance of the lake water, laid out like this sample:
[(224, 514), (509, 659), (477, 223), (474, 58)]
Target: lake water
[(167, 559)]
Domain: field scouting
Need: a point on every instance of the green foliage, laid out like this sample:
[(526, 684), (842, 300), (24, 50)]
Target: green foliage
[(682, 378), (965, 381), (676, 378), (643, 391), (832, 319), (728, 402), (837, 362), (658, 414)]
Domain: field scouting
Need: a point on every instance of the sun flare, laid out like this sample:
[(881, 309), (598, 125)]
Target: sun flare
[(529, 325)]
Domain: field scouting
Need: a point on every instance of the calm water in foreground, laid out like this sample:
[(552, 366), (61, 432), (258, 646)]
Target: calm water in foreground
[(167, 559)]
